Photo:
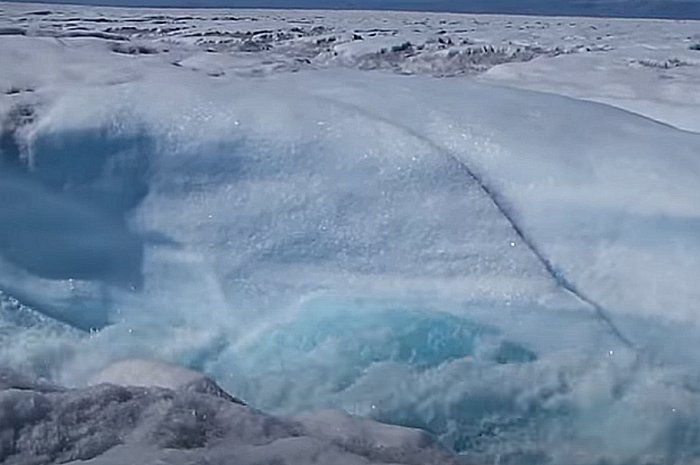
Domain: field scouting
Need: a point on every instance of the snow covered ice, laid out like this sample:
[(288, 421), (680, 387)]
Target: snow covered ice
[(485, 227)]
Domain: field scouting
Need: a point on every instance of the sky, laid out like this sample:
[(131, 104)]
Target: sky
[(688, 9)]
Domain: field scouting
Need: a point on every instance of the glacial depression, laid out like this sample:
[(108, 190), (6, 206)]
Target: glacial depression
[(409, 217)]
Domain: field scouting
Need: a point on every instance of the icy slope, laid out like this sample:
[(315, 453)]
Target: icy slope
[(503, 268), (609, 201)]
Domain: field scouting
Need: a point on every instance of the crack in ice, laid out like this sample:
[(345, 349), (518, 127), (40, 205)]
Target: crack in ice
[(500, 203)]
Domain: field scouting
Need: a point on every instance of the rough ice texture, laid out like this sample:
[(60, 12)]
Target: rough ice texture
[(114, 424), (597, 59)]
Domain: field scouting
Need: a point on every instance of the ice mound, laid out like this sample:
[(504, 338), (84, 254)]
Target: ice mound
[(111, 424), (150, 373)]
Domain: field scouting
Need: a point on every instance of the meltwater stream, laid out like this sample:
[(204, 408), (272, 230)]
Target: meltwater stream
[(308, 255)]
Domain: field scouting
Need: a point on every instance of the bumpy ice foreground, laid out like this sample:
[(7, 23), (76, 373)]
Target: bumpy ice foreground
[(186, 420)]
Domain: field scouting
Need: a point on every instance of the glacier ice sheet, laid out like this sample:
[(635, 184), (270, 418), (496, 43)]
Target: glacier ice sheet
[(420, 214)]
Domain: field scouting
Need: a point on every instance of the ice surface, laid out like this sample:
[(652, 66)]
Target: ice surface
[(110, 424), (502, 268), (679, 9)]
